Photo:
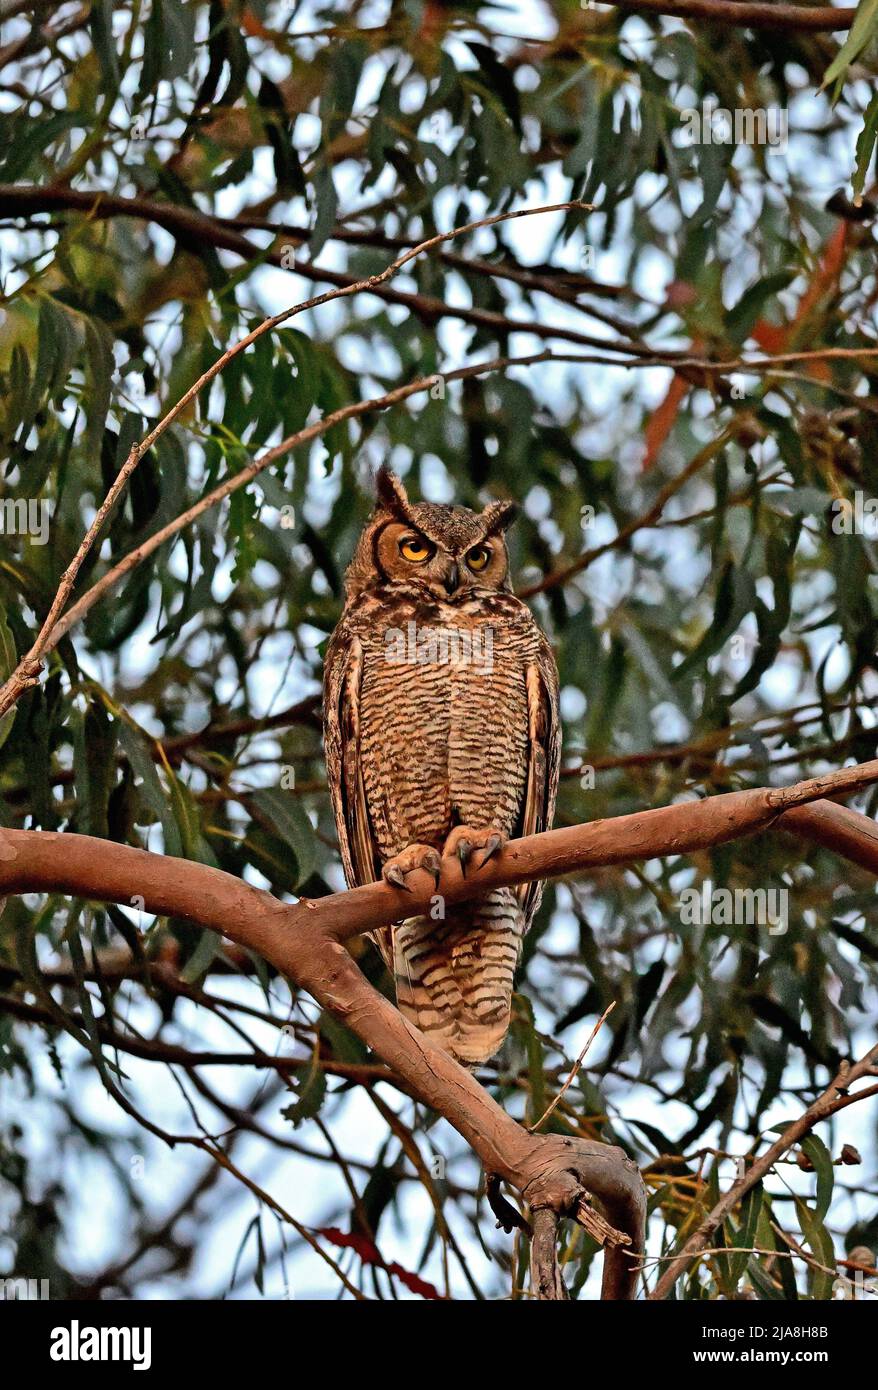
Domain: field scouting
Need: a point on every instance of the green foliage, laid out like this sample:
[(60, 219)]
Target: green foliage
[(714, 628)]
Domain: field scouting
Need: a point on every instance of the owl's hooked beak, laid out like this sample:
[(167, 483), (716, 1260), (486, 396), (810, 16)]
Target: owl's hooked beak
[(452, 578)]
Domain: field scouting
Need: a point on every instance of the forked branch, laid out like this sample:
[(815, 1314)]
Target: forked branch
[(305, 941)]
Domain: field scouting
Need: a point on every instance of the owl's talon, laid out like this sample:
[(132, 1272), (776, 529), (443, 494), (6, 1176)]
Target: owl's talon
[(396, 870), (433, 864), (492, 844), (394, 875), (464, 840), (464, 850)]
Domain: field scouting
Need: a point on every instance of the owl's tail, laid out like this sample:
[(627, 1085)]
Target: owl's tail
[(454, 977)]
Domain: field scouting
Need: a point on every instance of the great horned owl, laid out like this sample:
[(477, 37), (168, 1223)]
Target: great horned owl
[(442, 737)]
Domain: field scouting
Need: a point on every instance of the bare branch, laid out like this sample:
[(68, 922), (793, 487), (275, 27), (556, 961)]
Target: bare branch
[(305, 942), (749, 14), (545, 1273), (302, 942)]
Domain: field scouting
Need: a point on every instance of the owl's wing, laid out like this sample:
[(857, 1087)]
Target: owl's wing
[(343, 674), (543, 760)]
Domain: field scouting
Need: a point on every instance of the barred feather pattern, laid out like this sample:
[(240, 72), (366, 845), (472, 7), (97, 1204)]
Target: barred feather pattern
[(454, 977)]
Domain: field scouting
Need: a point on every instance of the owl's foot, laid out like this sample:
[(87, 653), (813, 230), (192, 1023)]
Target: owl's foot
[(464, 840), (412, 857)]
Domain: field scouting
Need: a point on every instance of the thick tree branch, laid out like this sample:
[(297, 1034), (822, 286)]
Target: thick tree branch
[(305, 942), (545, 1273), (848, 833), (749, 14)]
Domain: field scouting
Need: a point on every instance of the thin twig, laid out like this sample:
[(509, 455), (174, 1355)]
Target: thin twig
[(576, 1065)]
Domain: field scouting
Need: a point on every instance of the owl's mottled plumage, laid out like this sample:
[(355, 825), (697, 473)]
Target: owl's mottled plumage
[(442, 734)]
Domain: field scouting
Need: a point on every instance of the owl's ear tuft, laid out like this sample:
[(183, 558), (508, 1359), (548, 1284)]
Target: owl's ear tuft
[(499, 516), (390, 493)]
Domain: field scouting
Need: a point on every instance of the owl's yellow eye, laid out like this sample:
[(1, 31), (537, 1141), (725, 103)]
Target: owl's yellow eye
[(478, 557), (415, 549)]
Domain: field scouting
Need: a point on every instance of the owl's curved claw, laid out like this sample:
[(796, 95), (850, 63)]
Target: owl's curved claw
[(394, 875), (433, 864), (464, 850), (492, 844)]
